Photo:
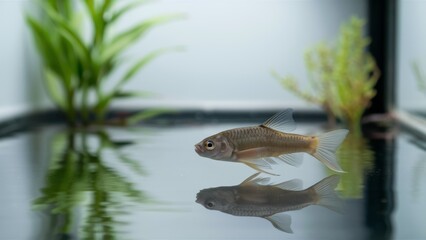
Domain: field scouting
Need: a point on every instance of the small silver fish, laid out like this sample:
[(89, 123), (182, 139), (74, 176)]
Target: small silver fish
[(253, 198), (261, 146)]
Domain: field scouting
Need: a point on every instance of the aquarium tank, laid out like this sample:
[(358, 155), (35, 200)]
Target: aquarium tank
[(237, 119)]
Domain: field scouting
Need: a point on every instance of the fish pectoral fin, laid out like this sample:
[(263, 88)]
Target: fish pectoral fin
[(256, 180), (293, 185), (293, 159), (281, 222), (282, 121), (250, 154), (259, 165)]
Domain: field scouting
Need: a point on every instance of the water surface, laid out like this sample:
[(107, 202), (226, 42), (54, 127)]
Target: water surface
[(141, 183)]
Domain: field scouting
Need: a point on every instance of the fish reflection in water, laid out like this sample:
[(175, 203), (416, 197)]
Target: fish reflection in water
[(253, 198), (261, 146)]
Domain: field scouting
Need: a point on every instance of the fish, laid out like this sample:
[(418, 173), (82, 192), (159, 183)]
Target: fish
[(270, 143), (255, 198)]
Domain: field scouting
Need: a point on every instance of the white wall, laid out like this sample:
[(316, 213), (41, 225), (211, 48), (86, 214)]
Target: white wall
[(17, 61), (231, 48), (411, 48)]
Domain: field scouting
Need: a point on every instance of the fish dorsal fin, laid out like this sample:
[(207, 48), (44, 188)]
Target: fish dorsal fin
[(256, 180), (294, 185), (281, 222), (282, 121)]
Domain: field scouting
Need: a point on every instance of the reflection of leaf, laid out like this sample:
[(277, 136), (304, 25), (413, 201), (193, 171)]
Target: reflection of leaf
[(120, 144), (78, 177), (419, 172), (356, 157), (421, 80), (110, 181), (132, 164)]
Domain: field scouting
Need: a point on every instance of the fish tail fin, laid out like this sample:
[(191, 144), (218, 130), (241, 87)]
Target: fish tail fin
[(327, 197), (326, 149)]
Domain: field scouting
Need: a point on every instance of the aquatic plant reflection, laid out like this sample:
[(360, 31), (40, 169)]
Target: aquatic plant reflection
[(256, 197), (356, 157), (81, 185)]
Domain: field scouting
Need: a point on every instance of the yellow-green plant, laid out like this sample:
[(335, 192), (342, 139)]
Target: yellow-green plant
[(77, 62), (342, 77), (319, 63), (357, 159)]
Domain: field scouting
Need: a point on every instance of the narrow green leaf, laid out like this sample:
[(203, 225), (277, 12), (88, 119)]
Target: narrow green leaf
[(120, 12), (106, 6), (44, 43), (123, 40), (105, 101), (49, 47), (144, 61), (54, 88), (124, 94), (133, 164), (65, 29), (145, 115)]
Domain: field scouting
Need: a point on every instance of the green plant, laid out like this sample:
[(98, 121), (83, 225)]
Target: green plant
[(77, 65), (79, 179), (357, 159), (342, 77)]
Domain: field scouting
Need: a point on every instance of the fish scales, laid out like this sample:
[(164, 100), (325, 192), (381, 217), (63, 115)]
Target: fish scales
[(273, 141), (275, 201), (272, 196)]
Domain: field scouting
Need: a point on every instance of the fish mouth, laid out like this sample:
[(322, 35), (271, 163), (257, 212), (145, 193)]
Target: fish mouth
[(198, 149), (198, 200)]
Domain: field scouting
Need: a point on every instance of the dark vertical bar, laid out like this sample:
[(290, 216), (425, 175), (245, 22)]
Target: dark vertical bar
[(379, 192), (382, 15)]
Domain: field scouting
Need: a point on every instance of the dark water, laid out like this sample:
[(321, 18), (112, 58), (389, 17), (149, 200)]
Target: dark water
[(142, 183)]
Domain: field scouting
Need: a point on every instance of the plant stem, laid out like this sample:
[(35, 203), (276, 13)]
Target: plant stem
[(354, 125), (71, 107), (331, 118), (85, 103)]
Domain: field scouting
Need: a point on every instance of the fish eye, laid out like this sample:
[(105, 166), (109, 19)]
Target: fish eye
[(210, 204), (209, 145)]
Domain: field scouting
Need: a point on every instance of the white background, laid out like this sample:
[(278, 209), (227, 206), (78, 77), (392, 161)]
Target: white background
[(231, 48)]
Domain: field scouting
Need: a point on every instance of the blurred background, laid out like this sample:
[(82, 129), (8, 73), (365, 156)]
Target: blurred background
[(231, 47), (140, 82)]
